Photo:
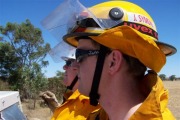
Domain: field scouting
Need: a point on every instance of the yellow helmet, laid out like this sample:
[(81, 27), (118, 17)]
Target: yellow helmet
[(126, 27), (118, 13), (117, 25)]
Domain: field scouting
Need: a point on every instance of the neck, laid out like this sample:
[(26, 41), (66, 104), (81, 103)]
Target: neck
[(75, 87), (124, 99)]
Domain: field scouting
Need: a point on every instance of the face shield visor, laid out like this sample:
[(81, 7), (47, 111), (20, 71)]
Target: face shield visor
[(72, 17), (62, 50)]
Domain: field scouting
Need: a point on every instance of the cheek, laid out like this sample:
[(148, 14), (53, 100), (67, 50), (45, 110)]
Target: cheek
[(72, 74), (86, 72), (87, 68)]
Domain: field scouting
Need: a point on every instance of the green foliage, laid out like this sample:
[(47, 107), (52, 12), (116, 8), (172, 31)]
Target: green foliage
[(22, 53), (56, 86), (162, 76), (59, 75), (33, 82), (8, 59), (4, 86), (172, 77), (27, 42)]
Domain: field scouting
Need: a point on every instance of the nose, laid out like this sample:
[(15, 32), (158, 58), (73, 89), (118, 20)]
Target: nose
[(65, 67)]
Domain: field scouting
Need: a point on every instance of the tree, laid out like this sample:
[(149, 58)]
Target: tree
[(35, 81), (162, 76), (29, 49), (27, 42), (59, 74), (172, 77), (56, 86), (8, 59)]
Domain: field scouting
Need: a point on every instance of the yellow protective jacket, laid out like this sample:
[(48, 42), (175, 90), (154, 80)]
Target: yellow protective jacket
[(153, 108), (76, 107), (67, 95)]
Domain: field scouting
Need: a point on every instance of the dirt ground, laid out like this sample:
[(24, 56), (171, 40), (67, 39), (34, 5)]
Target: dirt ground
[(40, 113), (174, 97), (44, 113)]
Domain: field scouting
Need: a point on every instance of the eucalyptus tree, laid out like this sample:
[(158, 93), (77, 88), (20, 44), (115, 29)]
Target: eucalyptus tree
[(28, 47)]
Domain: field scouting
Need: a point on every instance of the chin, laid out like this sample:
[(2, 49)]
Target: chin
[(80, 90), (83, 92)]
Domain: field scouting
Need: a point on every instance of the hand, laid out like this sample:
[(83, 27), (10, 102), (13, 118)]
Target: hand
[(50, 99)]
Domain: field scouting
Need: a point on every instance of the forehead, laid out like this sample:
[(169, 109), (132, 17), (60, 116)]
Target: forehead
[(86, 44)]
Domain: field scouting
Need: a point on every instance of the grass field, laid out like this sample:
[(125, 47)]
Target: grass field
[(174, 97), (174, 104)]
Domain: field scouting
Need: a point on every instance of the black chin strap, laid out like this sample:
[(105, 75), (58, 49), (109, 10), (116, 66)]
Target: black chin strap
[(94, 96), (72, 84)]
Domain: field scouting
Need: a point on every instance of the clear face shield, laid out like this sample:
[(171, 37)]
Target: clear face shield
[(70, 16), (64, 18), (62, 49)]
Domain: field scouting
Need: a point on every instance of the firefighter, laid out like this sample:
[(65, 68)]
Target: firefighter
[(74, 106), (118, 55), (70, 80)]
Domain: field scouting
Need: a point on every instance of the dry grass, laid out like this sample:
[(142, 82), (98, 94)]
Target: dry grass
[(174, 104), (40, 113), (174, 97)]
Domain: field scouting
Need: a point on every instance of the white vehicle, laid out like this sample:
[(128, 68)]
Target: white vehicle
[(10, 106)]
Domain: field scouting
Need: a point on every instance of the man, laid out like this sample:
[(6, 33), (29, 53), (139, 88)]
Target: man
[(70, 80), (116, 42), (75, 106)]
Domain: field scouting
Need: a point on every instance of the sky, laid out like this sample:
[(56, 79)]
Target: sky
[(165, 13)]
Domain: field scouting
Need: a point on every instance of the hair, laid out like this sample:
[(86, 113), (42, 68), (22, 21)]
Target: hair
[(136, 68), (97, 45)]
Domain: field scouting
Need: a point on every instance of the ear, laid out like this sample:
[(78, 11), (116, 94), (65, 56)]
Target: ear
[(115, 61)]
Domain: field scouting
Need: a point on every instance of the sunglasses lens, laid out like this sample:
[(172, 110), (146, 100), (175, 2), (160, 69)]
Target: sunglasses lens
[(68, 63), (81, 54), (80, 58), (77, 53)]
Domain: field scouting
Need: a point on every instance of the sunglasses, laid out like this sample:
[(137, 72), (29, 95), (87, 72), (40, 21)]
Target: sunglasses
[(69, 62), (81, 54)]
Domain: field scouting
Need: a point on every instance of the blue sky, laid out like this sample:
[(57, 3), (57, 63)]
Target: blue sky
[(166, 14)]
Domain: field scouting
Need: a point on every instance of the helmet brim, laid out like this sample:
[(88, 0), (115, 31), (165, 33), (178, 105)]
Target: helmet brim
[(167, 49), (66, 58), (131, 42)]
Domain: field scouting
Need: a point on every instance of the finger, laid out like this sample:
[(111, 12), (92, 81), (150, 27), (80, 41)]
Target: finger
[(50, 93), (41, 94)]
